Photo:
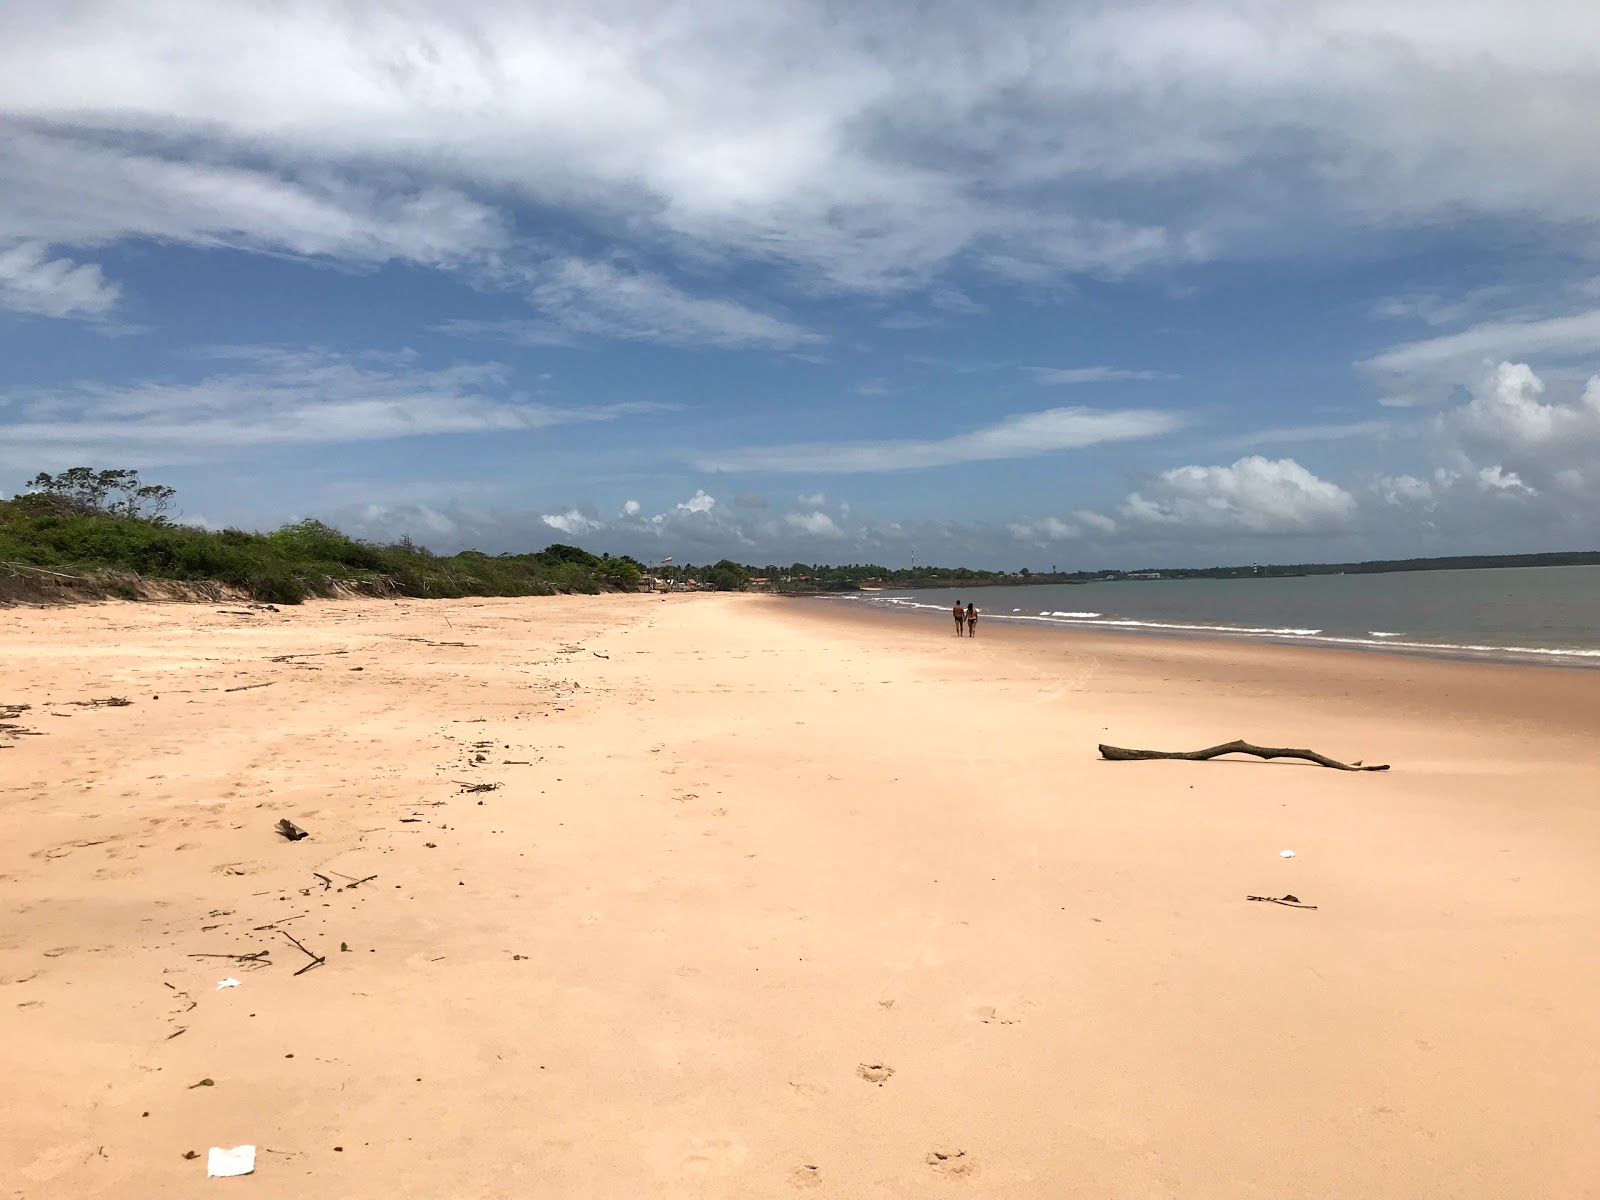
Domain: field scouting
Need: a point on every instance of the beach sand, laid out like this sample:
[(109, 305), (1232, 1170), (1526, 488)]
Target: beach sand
[(773, 898)]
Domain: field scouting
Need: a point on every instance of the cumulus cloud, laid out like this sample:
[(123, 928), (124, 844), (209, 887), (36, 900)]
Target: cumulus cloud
[(817, 524), (811, 499), (1509, 425), (266, 396), (1254, 495), (631, 508), (697, 503), (573, 523), (31, 281), (1026, 435)]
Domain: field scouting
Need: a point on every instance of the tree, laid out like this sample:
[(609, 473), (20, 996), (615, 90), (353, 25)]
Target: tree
[(623, 573), (87, 492), (559, 553), (727, 576)]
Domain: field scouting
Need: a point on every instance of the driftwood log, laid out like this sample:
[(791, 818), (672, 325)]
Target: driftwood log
[(1119, 754)]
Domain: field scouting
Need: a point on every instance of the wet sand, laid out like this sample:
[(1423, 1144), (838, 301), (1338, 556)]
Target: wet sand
[(772, 898)]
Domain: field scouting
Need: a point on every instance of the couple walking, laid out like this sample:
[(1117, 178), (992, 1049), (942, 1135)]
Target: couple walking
[(965, 616)]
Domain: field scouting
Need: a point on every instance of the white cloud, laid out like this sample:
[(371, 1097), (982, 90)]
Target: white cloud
[(1458, 357), (1254, 495), (631, 508), (1027, 435), (269, 396), (817, 524), (866, 147), (1045, 530), (811, 499), (579, 297), (1071, 375), (33, 282), (573, 523), (697, 503), (1406, 491), (1528, 442), (75, 190), (1314, 433)]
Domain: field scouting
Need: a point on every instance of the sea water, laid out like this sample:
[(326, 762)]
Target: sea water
[(1545, 614)]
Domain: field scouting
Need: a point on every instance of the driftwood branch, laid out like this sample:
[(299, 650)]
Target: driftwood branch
[(1288, 901), (1119, 754)]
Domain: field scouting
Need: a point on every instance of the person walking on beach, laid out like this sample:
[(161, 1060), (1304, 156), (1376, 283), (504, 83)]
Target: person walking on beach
[(972, 621), (960, 616)]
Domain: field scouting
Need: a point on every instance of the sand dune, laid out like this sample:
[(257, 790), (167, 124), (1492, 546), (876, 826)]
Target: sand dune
[(768, 898)]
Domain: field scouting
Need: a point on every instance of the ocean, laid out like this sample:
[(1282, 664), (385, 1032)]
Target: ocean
[(1534, 614)]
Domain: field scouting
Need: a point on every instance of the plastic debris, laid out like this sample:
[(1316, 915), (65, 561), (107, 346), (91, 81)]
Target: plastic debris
[(241, 1160), (227, 983), (1285, 853)]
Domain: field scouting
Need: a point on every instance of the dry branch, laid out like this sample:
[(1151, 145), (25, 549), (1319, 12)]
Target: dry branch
[(1288, 901), (1120, 754)]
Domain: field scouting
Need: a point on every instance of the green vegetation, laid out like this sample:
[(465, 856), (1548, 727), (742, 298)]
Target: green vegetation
[(99, 530), (88, 523)]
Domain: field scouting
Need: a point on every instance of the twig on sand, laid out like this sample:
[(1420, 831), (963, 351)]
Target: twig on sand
[(326, 882), (103, 702), (1119, 754), (279, 921), (1288, 901), (283, 658), (258, 957), (316, 959), (477, 787), (247, 687)]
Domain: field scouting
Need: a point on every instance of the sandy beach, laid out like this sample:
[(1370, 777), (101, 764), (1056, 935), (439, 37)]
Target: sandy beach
[(767, 897)]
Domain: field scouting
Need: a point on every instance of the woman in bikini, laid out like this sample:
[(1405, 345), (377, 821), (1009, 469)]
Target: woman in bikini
[(972, 621)]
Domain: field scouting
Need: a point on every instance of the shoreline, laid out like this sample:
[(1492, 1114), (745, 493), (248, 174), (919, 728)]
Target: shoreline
[(1581, 658), (767, 897)]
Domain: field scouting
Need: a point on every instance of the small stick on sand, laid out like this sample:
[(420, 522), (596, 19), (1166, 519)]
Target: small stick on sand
[(1119, 754), (316, 959), (256, 956)]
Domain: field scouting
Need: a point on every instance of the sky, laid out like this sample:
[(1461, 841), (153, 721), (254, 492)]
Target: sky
[(1081, 285)]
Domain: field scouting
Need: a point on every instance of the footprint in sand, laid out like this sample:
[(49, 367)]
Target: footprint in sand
[(989, 1016), (806, 1175), (876, 1073), (66, 848), (948, 1160)]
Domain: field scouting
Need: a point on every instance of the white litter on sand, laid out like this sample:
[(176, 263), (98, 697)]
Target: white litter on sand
[(227, 983), (241, 1160), (1285, 853)]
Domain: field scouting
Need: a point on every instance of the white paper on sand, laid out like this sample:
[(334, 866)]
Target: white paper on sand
[(1285, 853), (227, 983), (241, 1160)]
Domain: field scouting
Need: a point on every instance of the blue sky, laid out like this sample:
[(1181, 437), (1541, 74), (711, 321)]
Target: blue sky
[(1087, 284)]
